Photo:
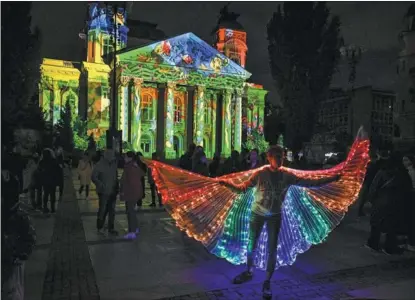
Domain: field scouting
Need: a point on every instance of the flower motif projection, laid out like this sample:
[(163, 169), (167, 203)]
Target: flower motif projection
[(219, 217)]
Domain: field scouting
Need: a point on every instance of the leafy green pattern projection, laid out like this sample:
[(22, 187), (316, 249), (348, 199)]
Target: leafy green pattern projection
[(98, 108), (136, 118)]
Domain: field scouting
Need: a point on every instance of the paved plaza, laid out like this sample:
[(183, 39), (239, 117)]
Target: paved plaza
[(73, 261)]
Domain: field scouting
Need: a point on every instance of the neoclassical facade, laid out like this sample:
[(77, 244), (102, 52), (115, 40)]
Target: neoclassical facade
[(170, 92)]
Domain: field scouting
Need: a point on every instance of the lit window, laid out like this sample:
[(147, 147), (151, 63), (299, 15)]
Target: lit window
[(178, 109), (147, 108), (107, 45), (145, 144)]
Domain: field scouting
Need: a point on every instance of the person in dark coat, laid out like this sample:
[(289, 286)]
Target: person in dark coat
[(143, 168), (18, 236), (186, 159), (61, 163), (214, 166), (49, 172), (372, 169), (35, 189), (199, 162), (244, 157), (387, 193), (130, 190), (105, 177), (232, 164)]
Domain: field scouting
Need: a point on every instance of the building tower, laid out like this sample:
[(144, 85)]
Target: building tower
[(230, 37), (101, 33), (406, 86)]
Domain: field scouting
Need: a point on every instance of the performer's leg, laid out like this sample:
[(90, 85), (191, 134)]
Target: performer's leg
[(273, 229), (255, 227)]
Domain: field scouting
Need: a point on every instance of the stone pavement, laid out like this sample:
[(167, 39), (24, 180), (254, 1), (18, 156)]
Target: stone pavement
[(73, 261)]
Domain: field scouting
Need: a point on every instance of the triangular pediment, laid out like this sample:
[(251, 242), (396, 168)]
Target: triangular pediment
[(185, 51)]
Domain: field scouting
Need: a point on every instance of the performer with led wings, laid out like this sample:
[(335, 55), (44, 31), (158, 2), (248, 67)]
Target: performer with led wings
[(227, 214)]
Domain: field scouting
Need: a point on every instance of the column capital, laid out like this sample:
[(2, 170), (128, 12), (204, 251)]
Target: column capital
[(239, 92), (171, 84), (201, 88), (227, 92), (55, 85), (124, 80), (138, 81)]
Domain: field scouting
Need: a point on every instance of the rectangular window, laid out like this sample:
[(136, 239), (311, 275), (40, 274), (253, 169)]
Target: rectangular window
[(145, 146), (107, 45)]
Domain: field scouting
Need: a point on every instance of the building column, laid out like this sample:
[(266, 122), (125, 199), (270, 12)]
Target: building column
[(213, 111), (56, 103), (261, 110), (136, 115), (161, 94), (238, 121), (169, 133), (200, 113), (227, 123), (219, 123), (190, 116), (244, 119), (123, 106)]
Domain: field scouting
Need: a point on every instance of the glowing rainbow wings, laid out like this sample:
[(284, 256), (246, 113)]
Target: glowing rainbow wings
[(219, 218)]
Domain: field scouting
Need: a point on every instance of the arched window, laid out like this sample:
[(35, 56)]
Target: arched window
[(147, 108), (178, 109)]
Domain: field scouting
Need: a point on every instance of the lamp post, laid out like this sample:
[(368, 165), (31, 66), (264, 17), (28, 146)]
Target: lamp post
[(113, 135)]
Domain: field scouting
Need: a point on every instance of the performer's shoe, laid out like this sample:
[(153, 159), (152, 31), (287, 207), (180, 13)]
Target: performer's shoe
[(266, 290), (243, 277)]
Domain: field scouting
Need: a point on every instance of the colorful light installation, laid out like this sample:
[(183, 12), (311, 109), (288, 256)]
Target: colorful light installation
[(219, 217)]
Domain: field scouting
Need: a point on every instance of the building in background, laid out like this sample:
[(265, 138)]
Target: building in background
[(405, 112), (170, 91), (345, 111)]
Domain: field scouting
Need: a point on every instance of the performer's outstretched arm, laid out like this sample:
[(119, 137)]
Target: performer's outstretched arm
[(242, 187), (291, 179)]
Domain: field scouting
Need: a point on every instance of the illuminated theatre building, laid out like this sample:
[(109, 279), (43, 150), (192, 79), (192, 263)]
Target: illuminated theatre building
[(170, 91)]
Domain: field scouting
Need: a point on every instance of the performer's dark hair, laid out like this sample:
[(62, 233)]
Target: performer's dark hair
[(276, 151)]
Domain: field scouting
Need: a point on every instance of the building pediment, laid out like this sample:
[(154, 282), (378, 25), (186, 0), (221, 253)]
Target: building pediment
[(186, 52)]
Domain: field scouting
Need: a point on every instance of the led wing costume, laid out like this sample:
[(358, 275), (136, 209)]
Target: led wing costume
[(218, 217)]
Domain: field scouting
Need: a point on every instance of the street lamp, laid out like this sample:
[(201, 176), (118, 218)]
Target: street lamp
[(113, 135)]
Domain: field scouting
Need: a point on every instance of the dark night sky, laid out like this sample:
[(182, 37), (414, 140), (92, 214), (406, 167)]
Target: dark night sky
[(373, 25)]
